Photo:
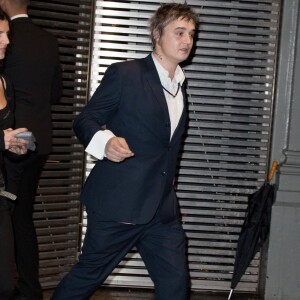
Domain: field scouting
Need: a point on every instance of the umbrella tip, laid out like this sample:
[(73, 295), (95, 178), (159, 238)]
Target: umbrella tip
[(230, 293)]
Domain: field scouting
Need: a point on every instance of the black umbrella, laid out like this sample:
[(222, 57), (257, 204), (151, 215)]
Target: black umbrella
[(255, 228)]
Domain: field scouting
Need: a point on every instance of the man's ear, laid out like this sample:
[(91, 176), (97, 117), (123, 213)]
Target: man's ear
[(156, 34)]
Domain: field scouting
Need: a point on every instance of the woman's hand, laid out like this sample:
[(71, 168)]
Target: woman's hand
[(13, 144)]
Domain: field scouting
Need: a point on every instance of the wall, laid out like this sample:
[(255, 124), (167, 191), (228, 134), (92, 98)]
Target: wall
[(283, 263)]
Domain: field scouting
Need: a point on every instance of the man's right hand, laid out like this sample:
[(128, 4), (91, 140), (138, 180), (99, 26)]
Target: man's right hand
[(117, 149)]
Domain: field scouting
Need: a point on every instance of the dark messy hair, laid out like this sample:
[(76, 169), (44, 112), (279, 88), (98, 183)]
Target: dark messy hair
[(168, 13)]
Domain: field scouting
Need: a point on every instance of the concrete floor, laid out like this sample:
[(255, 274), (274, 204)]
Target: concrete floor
[(107, 293)]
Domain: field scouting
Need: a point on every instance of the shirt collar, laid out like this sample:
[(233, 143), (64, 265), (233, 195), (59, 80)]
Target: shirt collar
[(179, 76), (19, 16)]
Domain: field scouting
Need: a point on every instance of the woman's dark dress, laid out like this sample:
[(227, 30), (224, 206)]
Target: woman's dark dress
[(6, 205)]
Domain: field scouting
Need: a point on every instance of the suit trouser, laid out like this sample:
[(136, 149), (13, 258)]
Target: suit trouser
[(26, 247), (7, 260), (161, 246)]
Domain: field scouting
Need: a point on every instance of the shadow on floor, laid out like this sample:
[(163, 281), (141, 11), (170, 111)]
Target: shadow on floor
[(108, 293)]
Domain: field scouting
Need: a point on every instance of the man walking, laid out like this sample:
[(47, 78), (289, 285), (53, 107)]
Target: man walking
[(129, 195)]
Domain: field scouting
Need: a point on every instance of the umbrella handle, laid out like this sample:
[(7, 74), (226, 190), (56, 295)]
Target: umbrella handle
[(273, 170)]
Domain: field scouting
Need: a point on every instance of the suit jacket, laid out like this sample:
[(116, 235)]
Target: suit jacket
[(131, 103), (32, 63)]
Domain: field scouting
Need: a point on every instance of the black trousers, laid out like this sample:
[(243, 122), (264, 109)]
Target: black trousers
[(22, 178), (161, 246), (7, 260)]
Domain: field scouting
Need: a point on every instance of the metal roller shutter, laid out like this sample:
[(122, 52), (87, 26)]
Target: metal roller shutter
[(57, 214), (226, 149)]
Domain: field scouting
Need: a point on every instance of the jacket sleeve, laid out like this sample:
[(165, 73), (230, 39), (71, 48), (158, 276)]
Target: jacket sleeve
[(102, 106)]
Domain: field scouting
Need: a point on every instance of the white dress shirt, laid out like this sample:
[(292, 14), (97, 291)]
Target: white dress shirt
[(175, 104), (96, 147)]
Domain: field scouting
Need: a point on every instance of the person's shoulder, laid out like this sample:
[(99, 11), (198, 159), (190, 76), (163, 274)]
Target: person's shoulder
[(37, 29), (132, 64), (134, 68), (43, 31), (21, 25)]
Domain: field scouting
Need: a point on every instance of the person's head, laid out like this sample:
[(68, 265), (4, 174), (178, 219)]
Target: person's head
[(14, 7), (167, 13), (4, 29), (172, 29)]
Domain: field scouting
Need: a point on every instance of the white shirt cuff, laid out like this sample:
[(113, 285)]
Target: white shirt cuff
[(96, 146)]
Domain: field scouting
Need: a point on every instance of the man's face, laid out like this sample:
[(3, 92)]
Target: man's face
[(176, 41)]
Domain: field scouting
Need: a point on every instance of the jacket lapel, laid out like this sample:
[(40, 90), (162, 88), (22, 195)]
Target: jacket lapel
[(181, 124), (153, 80)]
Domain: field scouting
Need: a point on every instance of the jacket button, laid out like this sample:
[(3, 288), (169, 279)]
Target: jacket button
[(164, 173)]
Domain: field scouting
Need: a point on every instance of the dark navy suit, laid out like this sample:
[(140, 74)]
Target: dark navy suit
[(130, 101)]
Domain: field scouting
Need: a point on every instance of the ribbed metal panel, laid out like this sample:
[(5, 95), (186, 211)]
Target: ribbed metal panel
[(226, 149), (57, 214)]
